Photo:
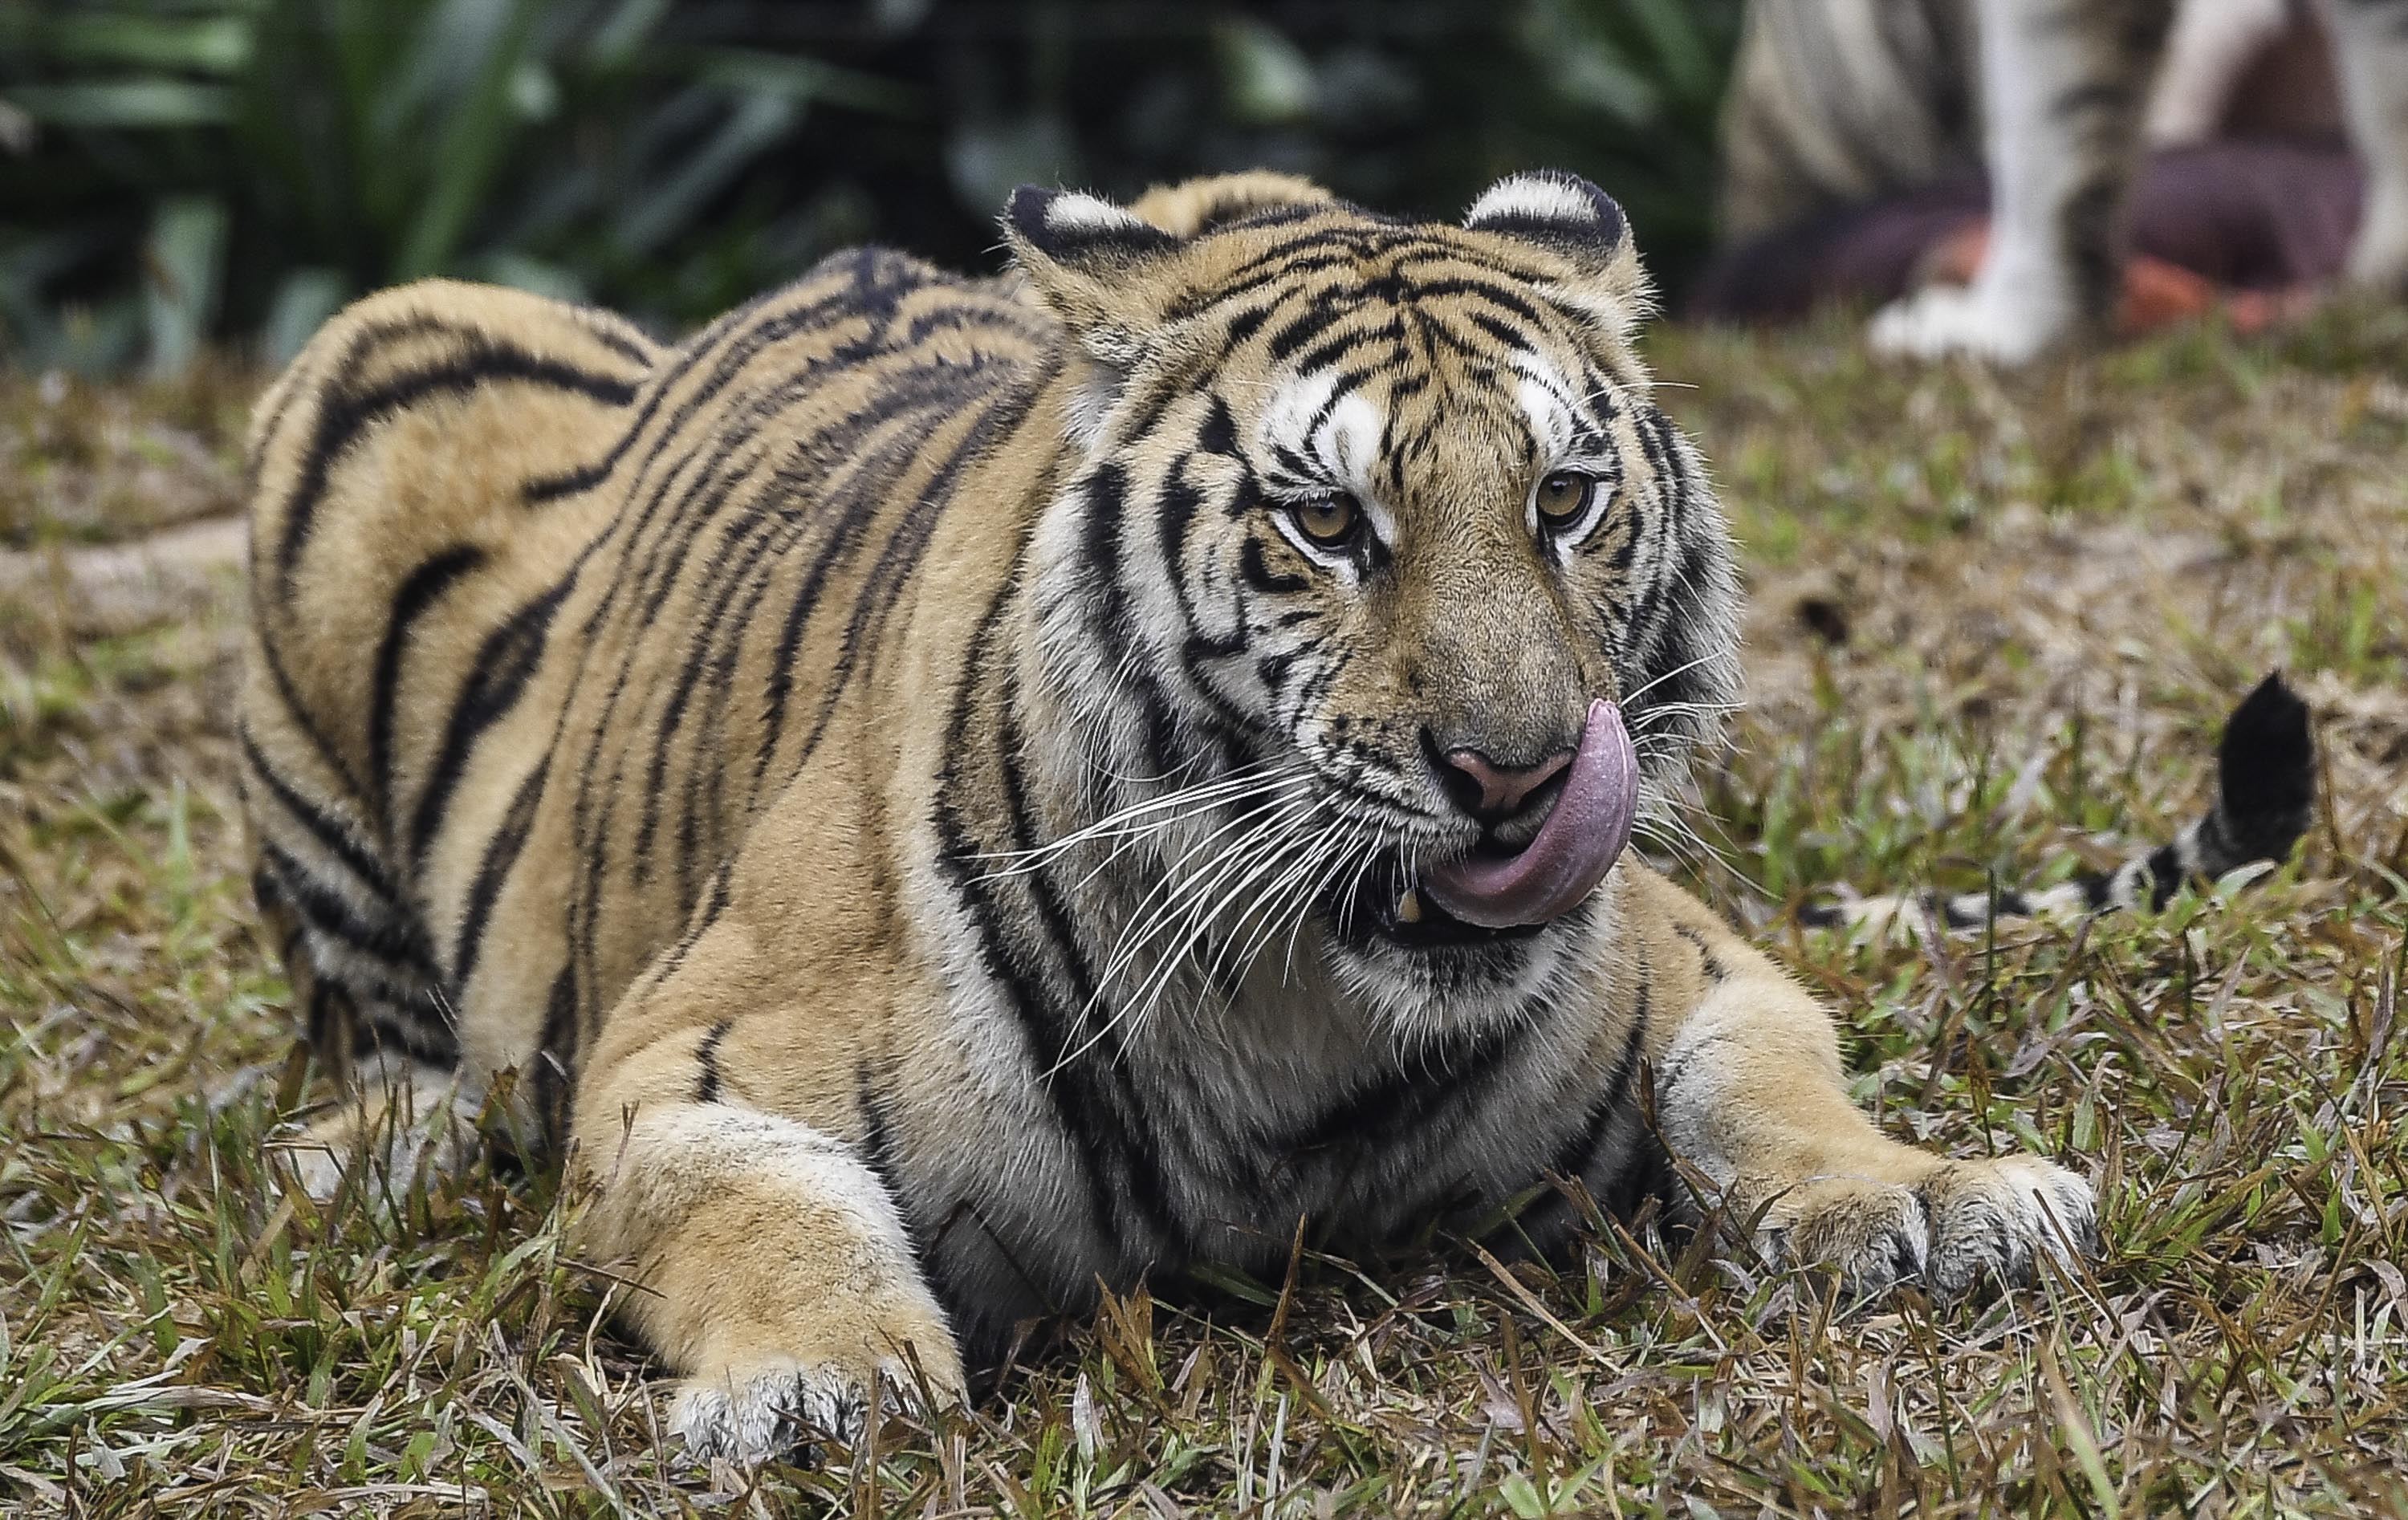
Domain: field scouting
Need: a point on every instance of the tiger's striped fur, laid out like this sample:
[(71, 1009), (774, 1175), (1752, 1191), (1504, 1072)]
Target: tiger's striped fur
[(897, 788)]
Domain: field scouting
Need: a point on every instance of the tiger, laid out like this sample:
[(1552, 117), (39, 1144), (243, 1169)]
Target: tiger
[(936, 797), (1838, 101)]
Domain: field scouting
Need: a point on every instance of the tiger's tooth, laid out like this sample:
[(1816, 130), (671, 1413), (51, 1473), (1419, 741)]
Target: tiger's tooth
[(1409, 906)]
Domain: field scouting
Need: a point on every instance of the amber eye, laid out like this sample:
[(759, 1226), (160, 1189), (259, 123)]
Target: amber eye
[(1329, 521), (1563, 496)]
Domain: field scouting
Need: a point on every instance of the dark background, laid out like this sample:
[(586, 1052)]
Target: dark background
[(181, 173)]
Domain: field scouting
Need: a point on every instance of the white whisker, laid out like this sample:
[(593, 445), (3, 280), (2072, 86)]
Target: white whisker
[(1629, 698)]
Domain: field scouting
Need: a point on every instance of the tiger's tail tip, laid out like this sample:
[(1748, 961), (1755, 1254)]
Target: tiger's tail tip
[(2266, 772), (2265, 798)]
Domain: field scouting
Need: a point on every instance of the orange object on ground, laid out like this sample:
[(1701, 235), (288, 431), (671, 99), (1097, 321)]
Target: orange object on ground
[(2156, 294)]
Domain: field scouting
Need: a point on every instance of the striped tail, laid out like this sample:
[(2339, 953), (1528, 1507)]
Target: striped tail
[(2265, 793)]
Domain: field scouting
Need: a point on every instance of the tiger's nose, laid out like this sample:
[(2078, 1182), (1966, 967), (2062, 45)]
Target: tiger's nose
[(1491, 792)]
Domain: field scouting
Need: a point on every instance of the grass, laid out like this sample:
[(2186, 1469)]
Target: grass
[(1995, 623)]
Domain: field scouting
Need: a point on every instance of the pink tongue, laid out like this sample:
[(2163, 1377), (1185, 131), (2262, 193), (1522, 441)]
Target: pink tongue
[(1574, 849)]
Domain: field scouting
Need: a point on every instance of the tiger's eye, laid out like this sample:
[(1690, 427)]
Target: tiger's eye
[(1328, 519), (1561, 497)]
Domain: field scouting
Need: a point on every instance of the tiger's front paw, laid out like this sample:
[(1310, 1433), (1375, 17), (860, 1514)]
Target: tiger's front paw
[(752, 1409), (1996, 1219), (1959, 1224)]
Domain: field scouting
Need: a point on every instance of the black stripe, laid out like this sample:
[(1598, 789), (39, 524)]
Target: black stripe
[(1143, 1177), (898, 559), (614, 334), (1707, 961), (2165, 875), (501, 853), (878, 1141), (706, 1088), (1581, 1154), (1408, 1100), (582, 478), (1246, 324), (1257, 573), (1514, 338), (329, 832), (1218, 434), (1303, 328), (556, 1055), (301, 385), (344, 417), (755, 540), (324, 1014), (938, 383), (1577, 1158), (297, 713), (1490, 291), (1647, 1175), (1341, 345), (1323, 248), (1104, 496), (418, 593), (376, 1030), (394, 941), (723, 466), (871, 282), (506, 661)]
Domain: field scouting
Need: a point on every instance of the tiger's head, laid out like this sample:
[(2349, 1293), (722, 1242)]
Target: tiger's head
[(1372, 532)]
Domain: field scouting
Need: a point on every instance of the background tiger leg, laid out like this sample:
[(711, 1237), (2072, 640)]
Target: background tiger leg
[(1750, 1091), (2370, 50), (2065, 88), (777, 1274)]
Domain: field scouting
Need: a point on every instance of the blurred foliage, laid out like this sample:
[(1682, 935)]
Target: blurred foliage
[(175, 173)]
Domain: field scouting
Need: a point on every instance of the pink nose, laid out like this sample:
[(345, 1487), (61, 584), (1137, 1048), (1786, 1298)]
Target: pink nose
[(1502, 789)]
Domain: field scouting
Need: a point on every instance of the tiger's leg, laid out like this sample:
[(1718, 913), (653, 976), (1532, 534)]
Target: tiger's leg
[(777, 1277), (2209, 49), (2065, 88), (1750, 1091), (373, 1014), (2370, 50)]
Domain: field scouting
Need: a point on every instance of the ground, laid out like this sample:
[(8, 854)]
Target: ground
[(1995, 623)]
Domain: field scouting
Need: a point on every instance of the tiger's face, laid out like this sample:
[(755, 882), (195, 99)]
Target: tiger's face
[(1377, 534)]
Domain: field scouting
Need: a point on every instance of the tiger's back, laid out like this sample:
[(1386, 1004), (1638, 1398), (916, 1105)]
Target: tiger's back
[(541, 621)]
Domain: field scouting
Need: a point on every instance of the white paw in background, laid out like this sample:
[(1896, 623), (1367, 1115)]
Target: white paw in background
[(1978, 320)]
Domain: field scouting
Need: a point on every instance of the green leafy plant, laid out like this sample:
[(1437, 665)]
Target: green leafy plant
[(187, 168), (178, 171)]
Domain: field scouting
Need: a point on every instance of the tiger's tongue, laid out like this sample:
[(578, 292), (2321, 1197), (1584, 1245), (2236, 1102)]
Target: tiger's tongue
[(1572, 849)]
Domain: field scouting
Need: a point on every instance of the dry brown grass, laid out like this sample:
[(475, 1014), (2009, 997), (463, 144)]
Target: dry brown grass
[(1995, 623)]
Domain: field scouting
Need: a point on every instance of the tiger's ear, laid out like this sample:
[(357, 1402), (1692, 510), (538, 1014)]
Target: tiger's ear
[(1103, 269), (1582, 227)]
